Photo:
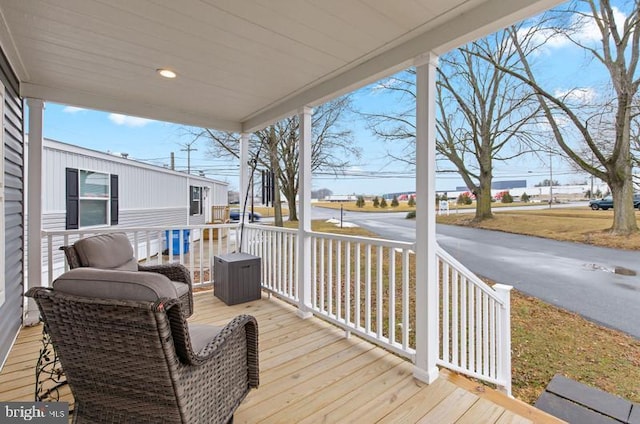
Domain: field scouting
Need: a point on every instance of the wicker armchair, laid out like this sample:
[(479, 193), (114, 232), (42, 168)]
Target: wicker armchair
[(133, 358), (114, 251)]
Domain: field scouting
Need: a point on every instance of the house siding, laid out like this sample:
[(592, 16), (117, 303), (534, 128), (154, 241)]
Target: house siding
[(11, 309), (148, 195)]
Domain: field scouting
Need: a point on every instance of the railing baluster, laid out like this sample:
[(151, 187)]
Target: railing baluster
[(455, 327), (357, 286), (446, 329), (405, 299), (347, 284), (479, 330), (49, 260), (463, 323), (330, 279), (292, 283), (470, 327), (322, 276), (485, 334), (392, 295), (314, 272), (367, 290), (339, 280), (279, 264), (492, 335), (379, 292)]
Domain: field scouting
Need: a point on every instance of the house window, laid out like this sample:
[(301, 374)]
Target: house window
[(92, 198), (196, 200)]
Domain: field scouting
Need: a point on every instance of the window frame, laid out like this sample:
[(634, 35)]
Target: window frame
[(192, 190), (74, 198)]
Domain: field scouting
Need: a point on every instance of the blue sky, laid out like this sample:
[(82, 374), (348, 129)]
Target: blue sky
[(153, 141)]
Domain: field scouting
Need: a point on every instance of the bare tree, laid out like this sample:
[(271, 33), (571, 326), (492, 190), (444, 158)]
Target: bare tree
[(603, 129), (276, 148), (482, 114)]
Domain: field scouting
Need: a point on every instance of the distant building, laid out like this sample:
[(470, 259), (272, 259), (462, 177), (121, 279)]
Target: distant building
[(501, 185), (402, 195)]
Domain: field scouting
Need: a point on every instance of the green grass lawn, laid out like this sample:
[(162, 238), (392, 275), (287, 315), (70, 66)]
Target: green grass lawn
[(580, 225)]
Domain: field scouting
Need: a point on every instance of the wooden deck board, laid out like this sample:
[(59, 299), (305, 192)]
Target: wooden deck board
[(310, 372)]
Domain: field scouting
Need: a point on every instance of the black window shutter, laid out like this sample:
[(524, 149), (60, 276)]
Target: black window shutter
[(72, 199), (114, 200)]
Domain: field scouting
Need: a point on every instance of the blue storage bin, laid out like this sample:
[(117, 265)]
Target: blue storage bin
[(175, 241)]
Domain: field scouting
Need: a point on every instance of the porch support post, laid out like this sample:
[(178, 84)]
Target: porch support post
[(34, 205), (244, 174), (304, 225), (427, 339)]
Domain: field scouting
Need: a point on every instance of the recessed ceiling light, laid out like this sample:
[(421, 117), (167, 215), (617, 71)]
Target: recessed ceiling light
[(167, 73)]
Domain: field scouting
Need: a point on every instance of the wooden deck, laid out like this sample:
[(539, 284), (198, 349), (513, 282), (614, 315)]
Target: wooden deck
[(311, 373)]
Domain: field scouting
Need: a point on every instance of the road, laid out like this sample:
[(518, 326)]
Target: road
[(576, 277)]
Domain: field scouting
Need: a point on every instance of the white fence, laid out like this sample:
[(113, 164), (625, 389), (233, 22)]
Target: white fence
[(279, 252), (363, 285), (193, 246), (475, 329)]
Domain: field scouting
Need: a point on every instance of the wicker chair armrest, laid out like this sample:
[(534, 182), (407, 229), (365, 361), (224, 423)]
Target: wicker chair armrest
[(214, 350), (174, 272), (71, 254)]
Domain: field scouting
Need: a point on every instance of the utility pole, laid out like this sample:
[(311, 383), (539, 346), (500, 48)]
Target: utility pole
[(550, 177), (173, 161), (189, 149)]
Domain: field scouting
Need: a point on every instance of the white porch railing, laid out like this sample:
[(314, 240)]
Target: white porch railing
[(475, 326), (365, 286), (191, 245), (278, 248), (362, 285)]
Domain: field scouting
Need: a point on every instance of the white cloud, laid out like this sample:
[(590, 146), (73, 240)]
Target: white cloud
[(73, 109), (129, 121), (587, 32), (584, 95)]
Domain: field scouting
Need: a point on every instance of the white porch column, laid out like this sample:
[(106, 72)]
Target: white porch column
[(304, 225), (427, 343), (34, 205), (244, 174)]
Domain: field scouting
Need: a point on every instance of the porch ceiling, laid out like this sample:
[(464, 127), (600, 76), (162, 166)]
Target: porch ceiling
[(240, 63)]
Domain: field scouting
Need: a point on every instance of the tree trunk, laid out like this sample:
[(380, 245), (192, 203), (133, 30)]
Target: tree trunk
[(620, 181), (624, 217), (621, 173), (483, 203), (483, 191), (293, 212)]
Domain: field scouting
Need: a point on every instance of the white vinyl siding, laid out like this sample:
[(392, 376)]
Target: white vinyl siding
[(3, 290)]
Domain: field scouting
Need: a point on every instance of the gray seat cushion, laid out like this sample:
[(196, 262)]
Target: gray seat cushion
[(107, 251), (181, 288), (201, 334), (110, 284)]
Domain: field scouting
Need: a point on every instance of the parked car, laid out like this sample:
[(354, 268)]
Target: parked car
[(235, 214), (607, 202)]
